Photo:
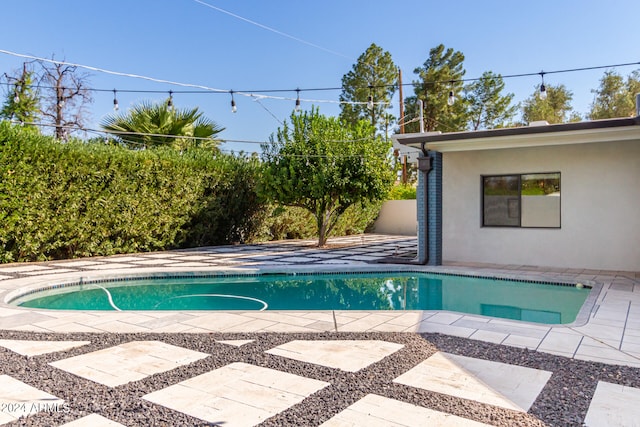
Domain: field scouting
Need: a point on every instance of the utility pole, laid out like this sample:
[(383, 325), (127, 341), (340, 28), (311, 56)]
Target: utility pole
[(401, 101)]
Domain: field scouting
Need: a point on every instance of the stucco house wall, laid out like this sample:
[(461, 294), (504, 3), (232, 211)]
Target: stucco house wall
[(599, 201)]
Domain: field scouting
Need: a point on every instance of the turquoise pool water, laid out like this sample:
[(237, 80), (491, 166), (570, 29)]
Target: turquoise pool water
[(534, 302)]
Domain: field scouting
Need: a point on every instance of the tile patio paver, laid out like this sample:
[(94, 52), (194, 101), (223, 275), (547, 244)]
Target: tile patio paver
[(217, 322), (560, 342), (522, 342), (456, 331), (128, 362), (489, 336), (18, 399), (238, 394), (377, 411), (52, 271), (158, 261), (613, 405), (77, 263), (500, 384), (347, 355), (369, 321), (36, 348), (112, 266), (125, 258), (299, 259), (26, 268)]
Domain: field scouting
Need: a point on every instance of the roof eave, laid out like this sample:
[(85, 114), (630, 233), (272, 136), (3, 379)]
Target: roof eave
[(538, 136)]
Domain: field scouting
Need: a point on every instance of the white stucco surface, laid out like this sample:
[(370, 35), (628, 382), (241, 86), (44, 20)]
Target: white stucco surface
[(600, 207), (397, 217)]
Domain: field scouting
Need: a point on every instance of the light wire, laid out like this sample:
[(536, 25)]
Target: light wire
[(252, 94), (273, 30)]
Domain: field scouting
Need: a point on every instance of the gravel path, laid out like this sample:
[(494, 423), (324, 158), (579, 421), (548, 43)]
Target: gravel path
[(563, 401)]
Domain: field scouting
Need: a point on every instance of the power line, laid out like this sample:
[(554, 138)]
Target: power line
[(273, 30), (121, 134)]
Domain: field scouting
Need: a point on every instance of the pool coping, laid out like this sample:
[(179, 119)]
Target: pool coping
[(603, 332), (582, 317)]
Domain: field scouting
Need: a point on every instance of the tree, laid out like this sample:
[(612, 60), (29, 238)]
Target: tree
[(375, 75), (615, 97), (160, 124), (66, 96), (440, 74), (22, 102), (324, 165), (488, 108), (556, 108)]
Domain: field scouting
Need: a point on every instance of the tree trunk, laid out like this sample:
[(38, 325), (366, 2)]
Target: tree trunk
[(322, 220), (322, 235)]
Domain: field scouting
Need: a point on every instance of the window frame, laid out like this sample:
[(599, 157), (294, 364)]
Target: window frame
[(519, 198)]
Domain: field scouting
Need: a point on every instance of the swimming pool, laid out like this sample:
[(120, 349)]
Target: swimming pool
[(510, 299)]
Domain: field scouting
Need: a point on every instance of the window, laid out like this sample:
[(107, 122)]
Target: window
[(527, 200)]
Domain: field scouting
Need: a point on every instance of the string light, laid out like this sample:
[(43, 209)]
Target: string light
[(170, 100), (297, 109), (16, 97), (543, 90), (207, 89), (452, 99), (370, 98), (116, 107), (233, 103)]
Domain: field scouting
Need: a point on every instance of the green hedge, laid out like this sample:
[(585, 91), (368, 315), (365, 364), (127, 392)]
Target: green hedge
[(64, 200), (402, 192)]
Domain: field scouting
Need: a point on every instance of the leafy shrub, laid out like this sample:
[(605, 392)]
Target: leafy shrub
[(290, 222), (402, 192), (82, 199)]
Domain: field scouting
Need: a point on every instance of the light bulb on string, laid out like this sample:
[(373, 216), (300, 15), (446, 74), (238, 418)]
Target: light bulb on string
[(16, 97), (543, 89), (233, 103), (452, 99), (61, 99), (297, 109), (116, 106), (370, 98), (170, 100)]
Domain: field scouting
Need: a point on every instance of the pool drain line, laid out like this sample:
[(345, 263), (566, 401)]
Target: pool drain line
[(264, 304)]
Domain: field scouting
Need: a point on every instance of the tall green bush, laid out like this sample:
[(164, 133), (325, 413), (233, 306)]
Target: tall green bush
[(63, 200)]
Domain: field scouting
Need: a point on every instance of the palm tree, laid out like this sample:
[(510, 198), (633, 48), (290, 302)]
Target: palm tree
[(160, 124)]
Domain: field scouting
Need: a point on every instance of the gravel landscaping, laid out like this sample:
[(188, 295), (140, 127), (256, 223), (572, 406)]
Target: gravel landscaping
[(563, 401)]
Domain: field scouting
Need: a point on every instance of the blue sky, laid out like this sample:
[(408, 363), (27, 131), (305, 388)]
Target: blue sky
[(186, 41)]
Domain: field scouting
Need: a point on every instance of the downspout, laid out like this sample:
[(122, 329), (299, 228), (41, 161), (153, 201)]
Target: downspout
[(424, 166)]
